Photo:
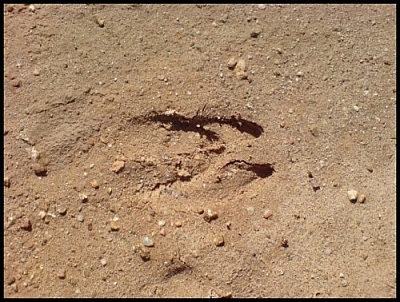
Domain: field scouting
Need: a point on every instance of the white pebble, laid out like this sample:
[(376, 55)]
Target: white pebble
[(161, 223), (42, 214), (147, 241), (103, 262), (352, 195)]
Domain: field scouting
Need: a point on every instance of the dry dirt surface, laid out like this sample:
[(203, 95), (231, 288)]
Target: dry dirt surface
[(199, 150)]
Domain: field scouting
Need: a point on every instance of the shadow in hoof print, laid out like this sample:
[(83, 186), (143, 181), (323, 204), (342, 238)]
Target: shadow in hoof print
[(181, 167), (196, 123)]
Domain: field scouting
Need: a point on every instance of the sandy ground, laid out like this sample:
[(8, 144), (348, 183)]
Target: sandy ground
[(199, 151)]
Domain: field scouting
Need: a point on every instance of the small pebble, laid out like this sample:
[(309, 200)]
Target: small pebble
[(61, 273), (219, 240), (267, 214), (80, 218), (352, 195), (144, 254), (210, 215), (240, 65), (284, 243), (162, 232), (83, 197), (26, 224), (261, 6), (356, 108), (178, 224), (16, 83), (231, 63), (117, 166), (10, 280), (199, 210), (114, 225), (42, 214), (103, 262), (255, 33), (31, 8), (147, 241), (161, 223), (62, 211), (109, 191), (94, 184), (99, 22), (370, 168), (14, 287), (39, 169), (7, 182), (36, 72), (195, 253), (361, 198), (250, 210)]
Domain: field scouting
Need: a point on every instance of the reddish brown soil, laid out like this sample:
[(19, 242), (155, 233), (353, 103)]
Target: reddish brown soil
[(120, 118)]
